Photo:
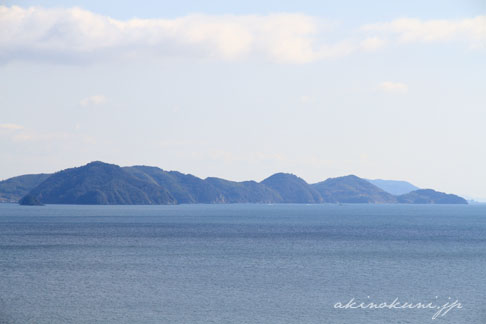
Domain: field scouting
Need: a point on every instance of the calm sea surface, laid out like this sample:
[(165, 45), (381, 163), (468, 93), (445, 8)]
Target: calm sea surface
[(240, 263)]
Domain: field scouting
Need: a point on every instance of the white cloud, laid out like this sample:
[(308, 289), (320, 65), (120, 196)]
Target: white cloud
[(75, 34), (372, 43), (80, 34), (393, 87), (471, 30), (93, 100), (11, 126)]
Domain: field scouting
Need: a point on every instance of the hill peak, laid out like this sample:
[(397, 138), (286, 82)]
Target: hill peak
[(283, 175), (99, 163), (292, 189), (352, 189)]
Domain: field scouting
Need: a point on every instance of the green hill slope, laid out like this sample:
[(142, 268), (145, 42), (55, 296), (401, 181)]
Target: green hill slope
[(352, 189), (13, 189)]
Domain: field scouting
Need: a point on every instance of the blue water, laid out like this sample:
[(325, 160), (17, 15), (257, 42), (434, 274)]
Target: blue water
[(240, 263)]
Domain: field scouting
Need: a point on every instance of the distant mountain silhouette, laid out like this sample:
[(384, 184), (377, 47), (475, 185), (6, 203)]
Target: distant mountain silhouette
[(352, 189), (292, 189), (188, 189), (13, 189), (429, 196), (185, 188), (246, 191), (101, 183), (394, 187)]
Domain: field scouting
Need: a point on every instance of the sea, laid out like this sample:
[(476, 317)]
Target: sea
[(243, 263)]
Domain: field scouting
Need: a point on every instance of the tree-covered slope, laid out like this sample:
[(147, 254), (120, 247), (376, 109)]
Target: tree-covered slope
[(13, 189), (244, 192), (99, 183), (292, 189), (185, 188), (351, 189), (429, 196)]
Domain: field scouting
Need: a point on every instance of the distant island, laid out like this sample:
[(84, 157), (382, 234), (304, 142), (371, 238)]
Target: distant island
[(394, 187), (99, 183)]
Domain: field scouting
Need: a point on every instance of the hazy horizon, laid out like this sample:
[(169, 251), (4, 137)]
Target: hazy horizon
[(389, 91)]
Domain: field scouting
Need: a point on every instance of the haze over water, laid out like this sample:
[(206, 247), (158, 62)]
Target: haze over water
[(240, 263)]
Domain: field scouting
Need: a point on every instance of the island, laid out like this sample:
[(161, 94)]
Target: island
[(99, 183)]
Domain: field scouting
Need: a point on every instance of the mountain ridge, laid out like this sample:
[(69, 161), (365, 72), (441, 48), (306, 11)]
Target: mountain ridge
[(350, 189), (13, 189), (395, 187), (102, 183)]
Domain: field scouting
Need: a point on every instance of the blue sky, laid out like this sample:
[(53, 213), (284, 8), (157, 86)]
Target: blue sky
[(380, 89), (358, 11)]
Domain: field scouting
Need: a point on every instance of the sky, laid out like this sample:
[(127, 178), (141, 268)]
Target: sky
[(241, 90)]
